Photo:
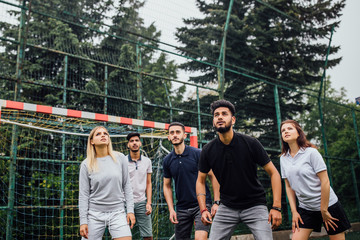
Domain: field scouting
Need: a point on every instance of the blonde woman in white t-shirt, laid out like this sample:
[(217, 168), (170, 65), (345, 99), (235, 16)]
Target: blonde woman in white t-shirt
[(306, 178)]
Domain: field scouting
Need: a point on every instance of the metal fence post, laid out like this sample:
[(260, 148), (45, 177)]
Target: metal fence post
[(221, 59), (278, 121), (199, 116), (139, 83), (356, 192), (324, 140), (322, 122), (63, 149), (169, 101), (14, 136), (105, 88)]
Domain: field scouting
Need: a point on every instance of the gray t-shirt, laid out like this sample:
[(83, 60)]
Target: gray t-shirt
[(300, 171), (138, 171), (106, 190)]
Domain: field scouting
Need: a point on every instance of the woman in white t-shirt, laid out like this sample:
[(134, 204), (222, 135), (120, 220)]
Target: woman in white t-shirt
[(306, 178)]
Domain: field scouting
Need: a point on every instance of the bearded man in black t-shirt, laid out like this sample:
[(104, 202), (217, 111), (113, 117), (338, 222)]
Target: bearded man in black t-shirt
[(233, 158)]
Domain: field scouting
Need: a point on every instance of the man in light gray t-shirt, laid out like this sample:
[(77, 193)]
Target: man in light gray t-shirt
[(140, 169)]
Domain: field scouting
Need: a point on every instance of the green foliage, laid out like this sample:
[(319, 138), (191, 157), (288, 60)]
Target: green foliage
[(45, 186), (266, 44), (79, 30), (158, 95), (341, 143)]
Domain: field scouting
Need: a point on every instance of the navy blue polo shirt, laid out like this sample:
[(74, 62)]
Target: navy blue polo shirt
[(183, 169)]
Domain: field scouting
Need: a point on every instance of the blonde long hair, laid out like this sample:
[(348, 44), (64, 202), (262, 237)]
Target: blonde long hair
[(91, 151)]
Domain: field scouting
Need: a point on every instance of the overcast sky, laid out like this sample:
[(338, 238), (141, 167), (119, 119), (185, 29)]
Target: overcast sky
[(346, 74), (168, 14)]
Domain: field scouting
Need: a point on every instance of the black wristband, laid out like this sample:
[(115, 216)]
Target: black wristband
[(217, 202), (276, 208)]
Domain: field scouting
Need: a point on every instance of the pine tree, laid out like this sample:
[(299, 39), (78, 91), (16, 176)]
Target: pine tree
[(129, 29), (266, 44), (104, 31), (46, 68)]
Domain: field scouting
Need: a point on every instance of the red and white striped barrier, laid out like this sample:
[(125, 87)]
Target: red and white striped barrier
[(93, 116)]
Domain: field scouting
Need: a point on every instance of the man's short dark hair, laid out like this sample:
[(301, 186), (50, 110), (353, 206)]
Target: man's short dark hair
[(132, 134), (222, 103), (177, 124)]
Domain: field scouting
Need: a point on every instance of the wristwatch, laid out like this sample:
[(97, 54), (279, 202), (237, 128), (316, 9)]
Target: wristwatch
[(217, 202)]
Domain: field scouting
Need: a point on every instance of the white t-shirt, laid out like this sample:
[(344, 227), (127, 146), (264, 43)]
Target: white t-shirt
[(138, 171), (300, 171)]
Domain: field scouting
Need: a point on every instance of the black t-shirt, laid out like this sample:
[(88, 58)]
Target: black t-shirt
[(235, 167)]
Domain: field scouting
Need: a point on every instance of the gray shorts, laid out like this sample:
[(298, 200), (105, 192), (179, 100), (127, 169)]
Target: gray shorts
[(226, 220), (187, 218), (143, 221), (115, 222)]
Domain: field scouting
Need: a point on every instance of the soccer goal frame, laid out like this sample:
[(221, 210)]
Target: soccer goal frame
[(8, 104), (41, 182)]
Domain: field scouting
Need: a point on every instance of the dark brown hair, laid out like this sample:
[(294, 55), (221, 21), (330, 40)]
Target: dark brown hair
[(222, 103), (177, 124), (132, 134), (301, 140)]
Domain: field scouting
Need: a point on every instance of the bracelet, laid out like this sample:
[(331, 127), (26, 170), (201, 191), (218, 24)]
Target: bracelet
[(203, 211), (200, 194), (276, 208)]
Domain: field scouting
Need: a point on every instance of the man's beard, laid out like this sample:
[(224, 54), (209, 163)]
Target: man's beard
[(176, 144), (134, 151), (223, 129)]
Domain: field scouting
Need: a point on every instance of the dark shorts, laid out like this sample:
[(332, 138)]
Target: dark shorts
[(143, 221), (313, 219), (187, 218)]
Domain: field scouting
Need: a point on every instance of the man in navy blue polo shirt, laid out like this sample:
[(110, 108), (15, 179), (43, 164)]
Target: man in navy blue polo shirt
[(182, 165), (234, 159)]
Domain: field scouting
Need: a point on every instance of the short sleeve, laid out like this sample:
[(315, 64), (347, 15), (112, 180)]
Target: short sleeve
[(197, 155), (317, 161), (167, 173), (204, 166), (282, 167), (260, 155), (149, 169)]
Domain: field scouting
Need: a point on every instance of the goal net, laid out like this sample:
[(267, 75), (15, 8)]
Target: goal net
[(41, 148)]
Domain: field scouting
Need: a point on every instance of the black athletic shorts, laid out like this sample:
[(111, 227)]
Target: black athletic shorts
[(313, 219)]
